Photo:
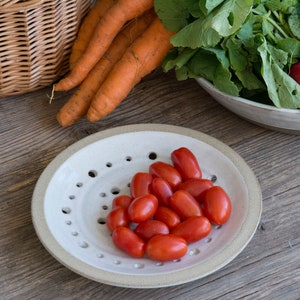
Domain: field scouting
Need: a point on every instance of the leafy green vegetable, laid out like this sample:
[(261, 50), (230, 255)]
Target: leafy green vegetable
[(208, 6), (244, 47), (293, 20), (277, 80)]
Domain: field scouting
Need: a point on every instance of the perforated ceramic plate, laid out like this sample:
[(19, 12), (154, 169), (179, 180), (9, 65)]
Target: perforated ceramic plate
[(74, 193)]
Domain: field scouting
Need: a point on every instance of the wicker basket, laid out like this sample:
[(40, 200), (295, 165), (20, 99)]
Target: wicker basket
[(35, 41)]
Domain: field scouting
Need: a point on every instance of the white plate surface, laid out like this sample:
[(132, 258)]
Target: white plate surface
[(74, 193)]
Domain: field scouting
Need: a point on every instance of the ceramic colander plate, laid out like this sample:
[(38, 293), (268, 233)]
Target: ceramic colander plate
[(74, 193)]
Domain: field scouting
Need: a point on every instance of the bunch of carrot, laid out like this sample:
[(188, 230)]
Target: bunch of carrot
[(119, 42)]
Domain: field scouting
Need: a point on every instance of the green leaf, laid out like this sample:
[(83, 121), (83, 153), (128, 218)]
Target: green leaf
[(229, 17), (174, 14), (237, 55), (208, 6), (282, 89), (250, 81), (195, 10), (204, 64), (279, 5), (222, 81), (291, 46), (288, 90), (169, 60), (177, 58), (279, 56), (196, 35), (208, 31), (184, 73), (294, 22), (222, 76), (213, 65)]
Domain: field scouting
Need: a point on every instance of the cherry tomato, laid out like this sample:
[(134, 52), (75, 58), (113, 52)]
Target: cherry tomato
[(150, 228), (295, 71), (162, 190), (142, 208), (185, 205), (197, 187), (140, 184), (167, 172), (217, 205), (128, 241), (193, 229), (168, 216), (166, 247), (122, 201), (186, 163), (117, 217)]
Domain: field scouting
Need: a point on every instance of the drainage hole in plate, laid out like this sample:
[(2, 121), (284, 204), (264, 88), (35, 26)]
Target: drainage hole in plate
[(115, 190), (208, 240), (213, 178), (138, 266), (152, 155), (92, 173), (194, 251), (83, 244), (101, 221), (66, 210), (105, 207)]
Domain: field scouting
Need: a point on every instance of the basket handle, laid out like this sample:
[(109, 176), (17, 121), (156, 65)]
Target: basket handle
[(23, 6)]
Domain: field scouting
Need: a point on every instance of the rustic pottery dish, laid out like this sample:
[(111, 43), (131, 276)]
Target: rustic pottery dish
[(286, 120), (74, 193)]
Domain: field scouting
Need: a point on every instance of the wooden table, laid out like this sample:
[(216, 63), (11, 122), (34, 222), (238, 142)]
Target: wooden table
[(268, 268)]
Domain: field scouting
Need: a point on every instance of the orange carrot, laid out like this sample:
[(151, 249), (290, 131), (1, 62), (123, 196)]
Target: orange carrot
[(107, 29), (87, 28), (141, 58), (78, 104)]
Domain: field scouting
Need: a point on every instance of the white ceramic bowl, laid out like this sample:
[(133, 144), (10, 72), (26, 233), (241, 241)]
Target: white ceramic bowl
[(286, 120)]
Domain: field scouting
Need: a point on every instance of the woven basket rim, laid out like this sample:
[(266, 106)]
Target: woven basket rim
[(20, 6)]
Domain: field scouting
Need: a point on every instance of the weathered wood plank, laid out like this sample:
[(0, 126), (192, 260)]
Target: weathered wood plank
[(268, 268)]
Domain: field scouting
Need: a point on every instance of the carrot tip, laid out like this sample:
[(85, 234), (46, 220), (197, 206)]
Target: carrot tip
[(62, 122), (92, 116)]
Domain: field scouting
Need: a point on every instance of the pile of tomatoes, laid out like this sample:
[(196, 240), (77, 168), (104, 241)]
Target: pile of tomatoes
[(169, 207)]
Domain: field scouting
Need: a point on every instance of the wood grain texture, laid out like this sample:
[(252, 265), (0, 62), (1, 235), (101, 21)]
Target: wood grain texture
[(268, 268)]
